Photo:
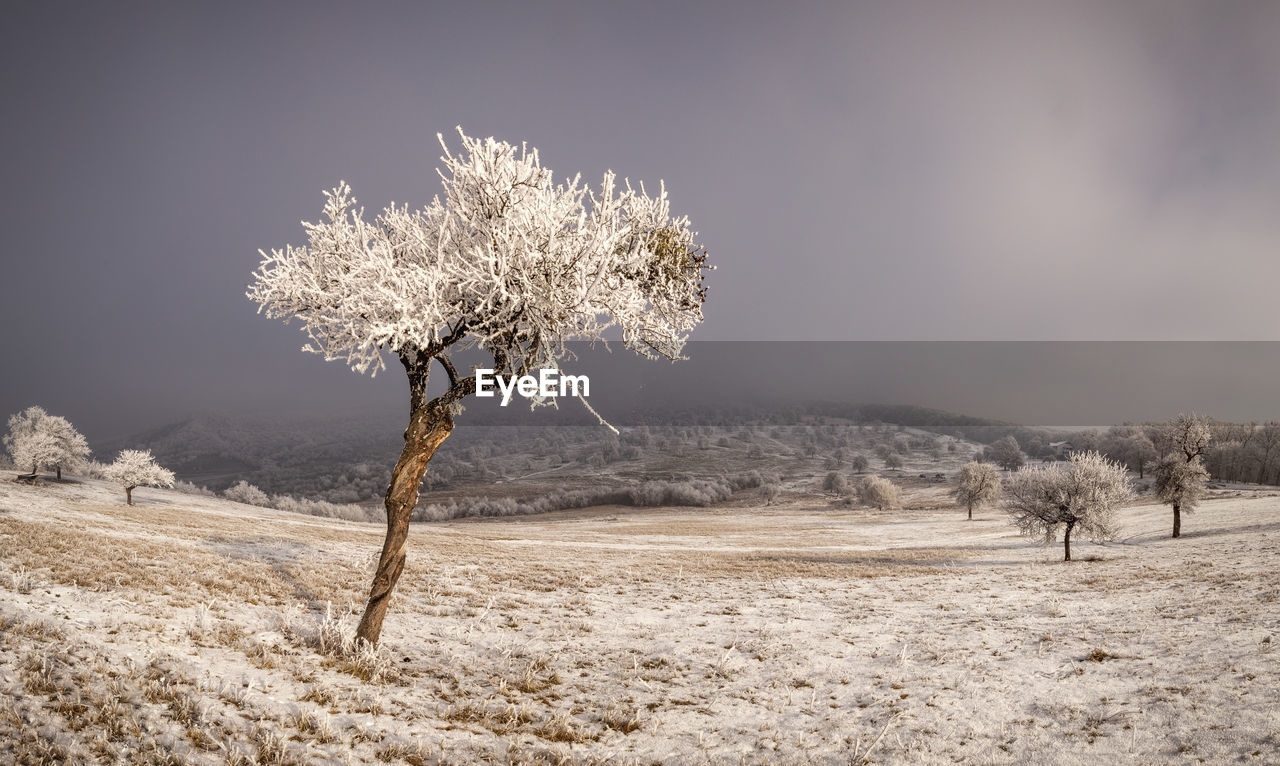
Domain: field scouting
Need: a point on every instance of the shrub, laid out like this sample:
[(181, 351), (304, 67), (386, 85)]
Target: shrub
[(244, 492), (836, 484), (878, 492)]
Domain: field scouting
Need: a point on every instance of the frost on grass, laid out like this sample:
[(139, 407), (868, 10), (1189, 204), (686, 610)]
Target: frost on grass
[(792, 634), (335, 638)]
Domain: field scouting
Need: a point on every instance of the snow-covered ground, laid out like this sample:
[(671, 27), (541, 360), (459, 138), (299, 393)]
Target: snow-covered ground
[(193, 630)]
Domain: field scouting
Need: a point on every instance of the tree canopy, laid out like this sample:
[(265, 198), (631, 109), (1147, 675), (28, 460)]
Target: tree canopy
[(977, 484), (39, 440), (137, 468), (1082, 496), (508, 260)]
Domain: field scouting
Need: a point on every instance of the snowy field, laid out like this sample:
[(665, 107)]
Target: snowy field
[(194, 630)]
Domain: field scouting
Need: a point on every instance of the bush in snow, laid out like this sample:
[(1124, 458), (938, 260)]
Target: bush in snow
[(324, 509), (694, 492), (244, 492), (682, 492), (877, 492)]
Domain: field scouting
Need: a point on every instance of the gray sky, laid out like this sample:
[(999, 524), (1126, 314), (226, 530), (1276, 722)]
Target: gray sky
[(884, 171)]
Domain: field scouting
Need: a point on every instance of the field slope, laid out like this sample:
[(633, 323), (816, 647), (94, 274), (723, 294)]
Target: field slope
[(194, 630)]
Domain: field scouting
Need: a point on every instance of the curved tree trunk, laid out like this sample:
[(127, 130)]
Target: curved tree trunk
[(430, 423), (1177, 520), (1066, 543)]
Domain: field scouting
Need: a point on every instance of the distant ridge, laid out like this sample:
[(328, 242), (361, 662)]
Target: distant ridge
[(288, 453)]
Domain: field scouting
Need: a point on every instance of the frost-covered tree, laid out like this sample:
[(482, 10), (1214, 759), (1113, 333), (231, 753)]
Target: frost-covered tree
[(878, 492), (1181, 484), (137, 468), (977, 484), (35, 449), (859, 463), (1006, 453), (1189, 436), (1129, 445), (1082, 497), (1139, 452), (510, 263), (40, 440)]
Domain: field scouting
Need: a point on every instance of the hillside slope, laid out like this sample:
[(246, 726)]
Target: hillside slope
[(188, 629)]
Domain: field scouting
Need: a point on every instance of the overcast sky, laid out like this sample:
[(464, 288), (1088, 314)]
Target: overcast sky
[(886, 171)]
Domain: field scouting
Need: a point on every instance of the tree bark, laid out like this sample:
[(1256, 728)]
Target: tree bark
[(59, 473), (128, 495), (970, 513), (430, 423), (1066, 543), (1177, 520)]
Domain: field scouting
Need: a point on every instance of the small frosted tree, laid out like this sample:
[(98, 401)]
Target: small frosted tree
[(977, 484), (1139, 452), (1181, 484), (1082, 497), (1006, 453), (41, 440), (1189, 437), (878, 492), (509, 263), (859, 463), (137, 468)]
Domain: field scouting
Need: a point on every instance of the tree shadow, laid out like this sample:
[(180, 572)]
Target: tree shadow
[(281, 555), (1273, 526)]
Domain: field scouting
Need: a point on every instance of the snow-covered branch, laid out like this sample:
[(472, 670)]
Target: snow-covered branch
[(506, 260)]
